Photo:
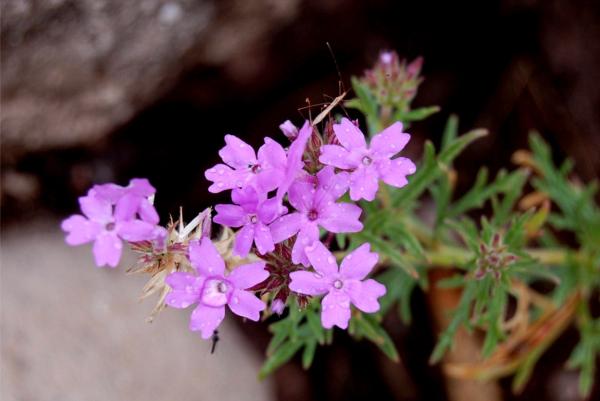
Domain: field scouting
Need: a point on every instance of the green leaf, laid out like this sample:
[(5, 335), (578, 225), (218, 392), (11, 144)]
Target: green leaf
[(385, 248), (282, 355), (418, 182), (450, 131), (309, 354), (454, 148), (367, 326), (314, 323), (416, 114)]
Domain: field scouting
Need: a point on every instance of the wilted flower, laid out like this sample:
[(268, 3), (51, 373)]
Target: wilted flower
[(343, 286), (369, 164), (212, 289)]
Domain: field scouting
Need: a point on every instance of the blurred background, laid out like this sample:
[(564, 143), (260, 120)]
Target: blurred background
[(107, 90)]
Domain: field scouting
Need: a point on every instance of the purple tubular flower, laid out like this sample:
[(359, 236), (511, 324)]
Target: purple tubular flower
[(368, 165), (211, 289), (243, 168), (316, 206), (277, 306), (343, 286), (295, 165), (139, 190), (107, 227), (253, 213)]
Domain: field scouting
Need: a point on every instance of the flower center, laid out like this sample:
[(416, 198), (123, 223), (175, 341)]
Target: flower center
[(313, 215), (109, 226), (367, 161), (256, 168), (215, 292), (253, 219), (338, 284)]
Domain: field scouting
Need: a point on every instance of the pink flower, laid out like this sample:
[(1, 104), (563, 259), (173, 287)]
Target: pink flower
[(107, 226), (243, 167), (139, 190), (252, 212), (369, 164), (211, 289), (277, 306), (316, 206), (343, 286)]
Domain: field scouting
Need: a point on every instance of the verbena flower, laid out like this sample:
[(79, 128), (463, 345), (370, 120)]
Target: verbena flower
[(139, 190), (316, 207), (244, 168), (253, 212), (107, 226), (369, 164), (212, 289), (343, 286)]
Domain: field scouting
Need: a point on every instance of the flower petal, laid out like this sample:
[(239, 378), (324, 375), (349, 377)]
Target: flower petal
[(295, 163), (285, 227), (107, 249), (364, 183), (269, 210), (206, 319), (263, 239), (224, 177), (308, 283), (147, 212), (364, 294), (336, 156), (185, 289), (141, 187), (246, 304), (308, 234), (321, 259), (341, 218), (237, 153), (349, 135), (301, 195), (246, 276), (335, 310), (135, 230), (230, 215), (332, 184), (389, 141), (394, 172), (205, 258), (96, 208), (80, 230), (110, 192), (358, 263), (243, 241), (272, 154), (126, 207)]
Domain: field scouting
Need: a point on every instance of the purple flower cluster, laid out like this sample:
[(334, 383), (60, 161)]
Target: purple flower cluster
[(283, 202)]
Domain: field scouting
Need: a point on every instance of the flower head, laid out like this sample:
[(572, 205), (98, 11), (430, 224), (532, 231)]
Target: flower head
[(367, 165), (212, 289), (107, 226), (316, 206), (343, 286), (253, 212), (244, 168)]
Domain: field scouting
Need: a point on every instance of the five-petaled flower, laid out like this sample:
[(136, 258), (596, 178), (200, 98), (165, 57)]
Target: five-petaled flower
[(243, 167), (369, 164), (212, 289), (316, 206), (343, 286), (107, 223), (253, 212)]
